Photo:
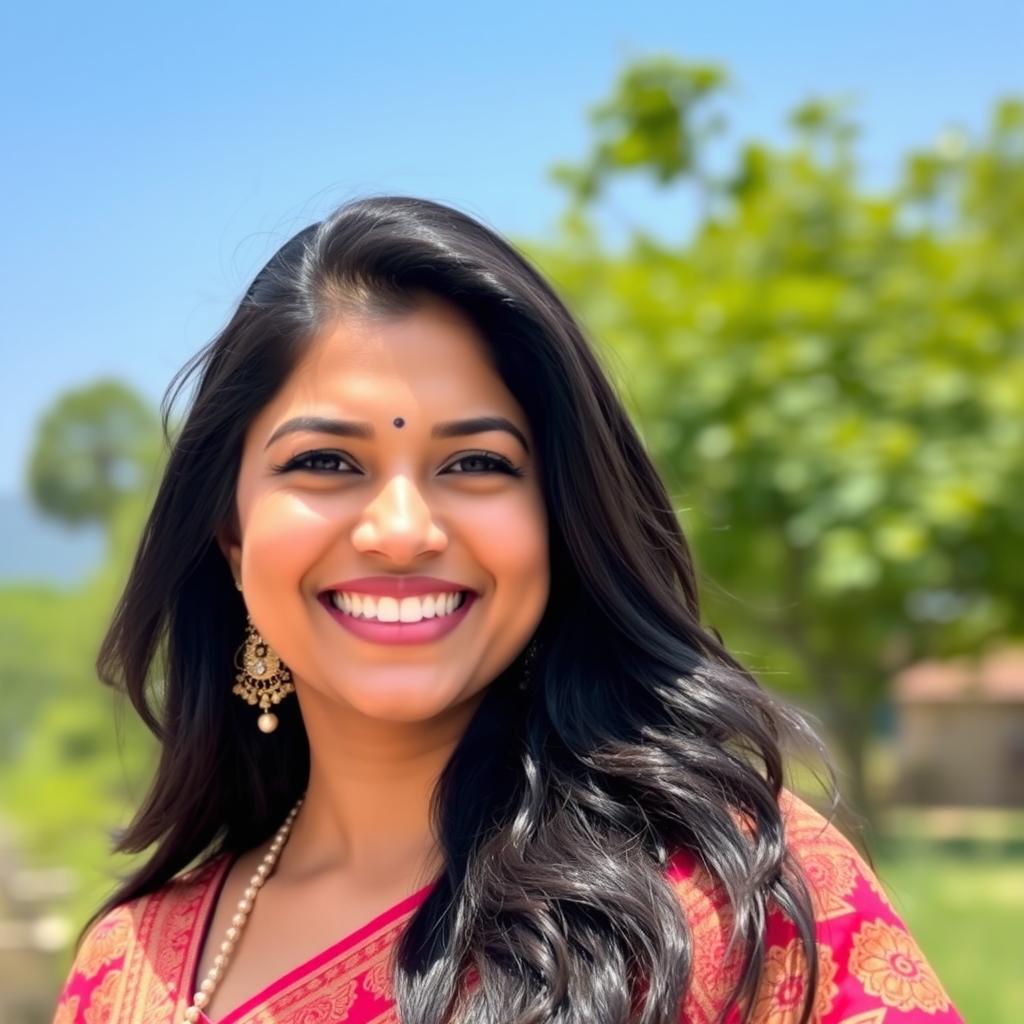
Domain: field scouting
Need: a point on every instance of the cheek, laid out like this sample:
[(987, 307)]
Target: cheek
[(511, 543), (283, 539), (516, 542)]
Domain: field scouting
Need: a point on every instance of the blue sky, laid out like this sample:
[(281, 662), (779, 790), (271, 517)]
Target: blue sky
[(156, 155)]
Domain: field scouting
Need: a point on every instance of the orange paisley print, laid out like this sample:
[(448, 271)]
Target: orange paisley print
[(67, 1010), (104, 997), (138, 964), (107, 943)]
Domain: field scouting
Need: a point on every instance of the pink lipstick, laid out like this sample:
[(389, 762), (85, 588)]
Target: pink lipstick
[(426, 630)]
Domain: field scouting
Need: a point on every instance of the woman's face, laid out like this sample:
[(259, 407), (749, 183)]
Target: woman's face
[(322, 506)]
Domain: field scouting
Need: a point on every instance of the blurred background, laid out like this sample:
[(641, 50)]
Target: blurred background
[(795, 235)]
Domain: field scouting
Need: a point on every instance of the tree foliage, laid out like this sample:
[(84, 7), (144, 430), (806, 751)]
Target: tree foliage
[(93, 446), (831, 380)]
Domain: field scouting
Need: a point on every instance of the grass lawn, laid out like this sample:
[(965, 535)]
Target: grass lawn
[(964, 903)]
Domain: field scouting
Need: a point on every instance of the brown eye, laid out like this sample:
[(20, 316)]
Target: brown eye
[(316, 462), (491, 463), (472, 464)]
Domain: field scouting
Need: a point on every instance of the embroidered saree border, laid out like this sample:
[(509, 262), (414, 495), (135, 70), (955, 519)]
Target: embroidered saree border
[(129, 968), (352, 982), (166, 941), (137, 964)]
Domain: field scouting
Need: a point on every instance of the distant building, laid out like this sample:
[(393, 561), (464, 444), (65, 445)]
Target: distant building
[(960, 730)]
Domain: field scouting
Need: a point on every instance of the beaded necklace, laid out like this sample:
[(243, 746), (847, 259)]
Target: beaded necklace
[(202, 998)]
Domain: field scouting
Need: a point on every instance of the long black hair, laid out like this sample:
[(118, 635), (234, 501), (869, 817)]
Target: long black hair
[(638, 736)]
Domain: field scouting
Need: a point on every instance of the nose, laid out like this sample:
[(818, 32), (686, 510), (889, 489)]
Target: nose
[(398, 523)]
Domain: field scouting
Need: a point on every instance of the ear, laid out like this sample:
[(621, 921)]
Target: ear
[(230, 545)]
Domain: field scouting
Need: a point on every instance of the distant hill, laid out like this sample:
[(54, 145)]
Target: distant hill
[(38, 550)]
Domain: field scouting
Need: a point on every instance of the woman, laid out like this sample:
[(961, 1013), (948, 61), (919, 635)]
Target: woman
[(443, 737)]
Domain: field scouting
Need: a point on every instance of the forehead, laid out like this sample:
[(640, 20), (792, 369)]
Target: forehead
[(433, 354)]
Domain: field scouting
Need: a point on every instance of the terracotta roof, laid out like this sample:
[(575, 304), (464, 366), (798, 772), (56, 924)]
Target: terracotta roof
[(996, 676)]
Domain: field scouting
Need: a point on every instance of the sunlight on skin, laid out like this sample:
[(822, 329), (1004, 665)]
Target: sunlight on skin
[(383, 719)]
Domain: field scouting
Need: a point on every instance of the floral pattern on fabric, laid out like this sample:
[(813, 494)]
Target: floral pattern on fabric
[(870, 969), (784, 984), (136, 965), (890, 965)]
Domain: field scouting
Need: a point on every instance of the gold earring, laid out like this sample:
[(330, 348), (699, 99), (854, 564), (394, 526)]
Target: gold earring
[(262, 677)]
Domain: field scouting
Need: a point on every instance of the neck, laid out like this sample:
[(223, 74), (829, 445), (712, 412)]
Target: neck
[(366, 813)]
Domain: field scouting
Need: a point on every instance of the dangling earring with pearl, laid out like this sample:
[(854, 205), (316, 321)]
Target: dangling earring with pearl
[(262, 677)]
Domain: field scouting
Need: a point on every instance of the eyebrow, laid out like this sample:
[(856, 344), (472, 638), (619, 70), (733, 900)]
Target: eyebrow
[(350, 428)]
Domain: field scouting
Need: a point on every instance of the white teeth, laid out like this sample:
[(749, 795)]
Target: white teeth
[(390, 609)]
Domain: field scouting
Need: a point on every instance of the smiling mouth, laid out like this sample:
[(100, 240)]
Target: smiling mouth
[(382, 608), (389, 620)]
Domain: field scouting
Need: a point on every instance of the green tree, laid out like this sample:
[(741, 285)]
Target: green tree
[(93, 446), (74, 758), (832, 382)]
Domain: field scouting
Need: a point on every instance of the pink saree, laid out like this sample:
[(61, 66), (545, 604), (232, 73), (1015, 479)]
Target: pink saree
[(138, 964)]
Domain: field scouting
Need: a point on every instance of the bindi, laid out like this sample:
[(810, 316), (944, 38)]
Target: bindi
[(398, 421)]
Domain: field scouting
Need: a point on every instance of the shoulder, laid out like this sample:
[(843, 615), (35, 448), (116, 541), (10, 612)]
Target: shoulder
[(845, 892), (104, 957), (829, 863), (868, 962)]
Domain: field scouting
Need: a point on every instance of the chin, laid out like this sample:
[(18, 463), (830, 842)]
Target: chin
[(401, 700)]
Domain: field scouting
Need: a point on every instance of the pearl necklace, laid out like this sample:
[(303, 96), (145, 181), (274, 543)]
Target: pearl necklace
[(242, 911)]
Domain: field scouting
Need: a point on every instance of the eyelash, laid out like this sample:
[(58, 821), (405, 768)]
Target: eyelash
[(502, 464)]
